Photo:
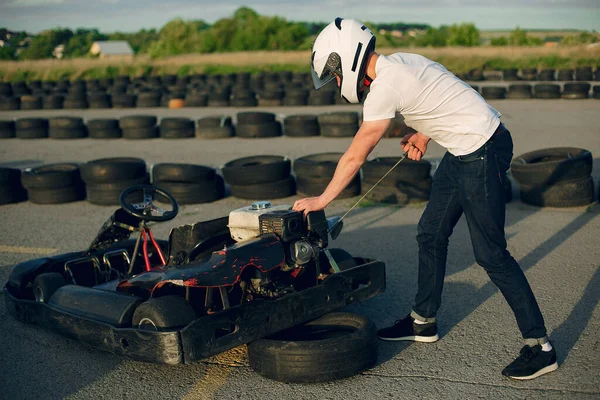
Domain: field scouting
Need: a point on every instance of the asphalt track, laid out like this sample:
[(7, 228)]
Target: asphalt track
[(559, 249)]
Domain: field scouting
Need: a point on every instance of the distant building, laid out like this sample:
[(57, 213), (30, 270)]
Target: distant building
[(112, 49), (59, 51)]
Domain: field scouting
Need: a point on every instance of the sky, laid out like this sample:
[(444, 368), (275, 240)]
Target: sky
[(132, 15)]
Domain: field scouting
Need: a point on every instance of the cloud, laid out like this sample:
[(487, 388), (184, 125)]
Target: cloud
[(33, 3)]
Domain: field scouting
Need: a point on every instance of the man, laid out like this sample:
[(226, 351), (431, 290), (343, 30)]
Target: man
[(468, 181)]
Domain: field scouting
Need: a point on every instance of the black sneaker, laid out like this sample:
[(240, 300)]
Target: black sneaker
[(532, 362), (407, 330)]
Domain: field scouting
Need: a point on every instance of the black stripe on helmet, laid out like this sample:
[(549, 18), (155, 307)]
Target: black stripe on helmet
[(338, 23), (355, 62)]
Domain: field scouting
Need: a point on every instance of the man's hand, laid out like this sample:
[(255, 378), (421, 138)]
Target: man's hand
[(309, 204), (415, 145)]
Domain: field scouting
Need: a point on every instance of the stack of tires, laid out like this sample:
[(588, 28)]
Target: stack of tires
[(555, 177), (338, 124), (301, 125), (189, 183), (257, 125), (314, 172), (104, 129), (596, 92), (519, 91), (139, 127), (7, 129), (11, 189), (215, 127), (66, 128), (576, 91), (106, 178), (177, 128), (262, 177), (31, 128), (547, 91), (493, 92), (54, 184), (409, 182)]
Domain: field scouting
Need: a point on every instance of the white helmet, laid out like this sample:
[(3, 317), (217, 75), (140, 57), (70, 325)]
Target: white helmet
[(342, 48)]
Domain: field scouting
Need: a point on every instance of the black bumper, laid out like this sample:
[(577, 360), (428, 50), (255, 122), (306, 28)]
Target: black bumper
[(215, 333)]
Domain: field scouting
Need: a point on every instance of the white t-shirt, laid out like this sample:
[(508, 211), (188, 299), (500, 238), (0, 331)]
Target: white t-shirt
[(432, 101)]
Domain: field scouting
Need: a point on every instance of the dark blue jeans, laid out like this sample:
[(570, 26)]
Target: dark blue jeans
[(472, 185)]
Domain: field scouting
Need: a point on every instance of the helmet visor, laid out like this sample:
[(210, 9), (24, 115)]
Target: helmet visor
[(323, 80)]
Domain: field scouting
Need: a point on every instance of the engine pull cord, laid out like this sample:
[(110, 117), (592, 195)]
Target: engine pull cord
[(369, 191)]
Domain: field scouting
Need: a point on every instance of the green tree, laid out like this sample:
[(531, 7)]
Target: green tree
[(582, 38), (178, 37), (499, 41), (434, 37), (80, 43), (43, 45), (465, 34), (519, 37), (7, 53)]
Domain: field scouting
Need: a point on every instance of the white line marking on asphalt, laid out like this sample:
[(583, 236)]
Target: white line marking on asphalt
[(26, 250)]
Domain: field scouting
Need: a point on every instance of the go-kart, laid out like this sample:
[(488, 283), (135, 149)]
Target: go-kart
[(211, 286)]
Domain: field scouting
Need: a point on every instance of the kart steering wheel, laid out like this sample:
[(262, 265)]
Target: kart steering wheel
[(146, 210)]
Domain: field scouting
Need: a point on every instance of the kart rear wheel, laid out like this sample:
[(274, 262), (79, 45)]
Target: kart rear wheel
[(334, 346), (46, 284), (163, 313)]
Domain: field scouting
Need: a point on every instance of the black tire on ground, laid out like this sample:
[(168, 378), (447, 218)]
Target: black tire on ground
[(194, 192), (106, 170), (52, 176), (546, 88), (44, 286), (216, 132), (12, 194), (109, 193), (254, 118), (105, 133), (400, 192), (57, 195), (339, 118), (338, 130), (334, 346), (407, 170), (256, 169), (316, 186), (547, 95), (31, 123), (182, 172), (137, 121), (66, 122), (493, 92), (67, 133), (148, 132), (218, 121), (10, 176), (317, 165), (262, 130), (546, 166), (301, 125), (103, 124), (163, 313), (7, 129), (31, 133), (572, 193), (573, 95), (265, 191), (518, 94)]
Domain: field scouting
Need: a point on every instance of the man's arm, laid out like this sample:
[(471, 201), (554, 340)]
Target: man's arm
[(367, 137)]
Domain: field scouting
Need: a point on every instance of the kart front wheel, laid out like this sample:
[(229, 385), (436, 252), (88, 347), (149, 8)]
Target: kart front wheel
[(163, 313), (46, 284)]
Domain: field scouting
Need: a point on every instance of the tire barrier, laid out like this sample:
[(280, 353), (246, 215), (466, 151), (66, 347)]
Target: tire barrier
[(104, 129), (260, 177), (257, 125), (177, 128), (215, 127), (139, 127), (31, 128), (189, 183), (106, 178), (314, 172), (555, 177), (54, 184), (66, 128), (519, 91), (301, 126), (7, 129), (409, 182), (11, 188), (493, 92), (338, 124)]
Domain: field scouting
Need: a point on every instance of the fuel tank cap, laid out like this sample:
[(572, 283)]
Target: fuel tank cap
[(261, 205)]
